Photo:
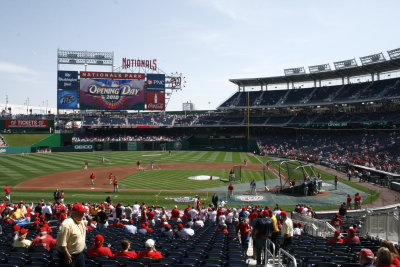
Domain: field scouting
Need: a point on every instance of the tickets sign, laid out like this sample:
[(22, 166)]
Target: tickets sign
[(40, 124)]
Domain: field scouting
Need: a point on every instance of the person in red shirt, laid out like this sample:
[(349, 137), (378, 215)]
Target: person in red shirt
[(138, 164), (393, 250), (150, 217), (230, 190), (175, 214), (384, 258), (110, 177), (335, 239), (337, 222), (63, 215), (126, 245), (357, 201), (244, 230), (186, 211), (92, 178), (117, 223), (223, 229), (7, 190), (86, 165), (44, 240), (98, 250), (150, 251), (348, 201), (115, 183), (351, 237)]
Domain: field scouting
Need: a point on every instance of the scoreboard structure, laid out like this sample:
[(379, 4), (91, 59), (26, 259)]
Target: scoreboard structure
[(136, 85)]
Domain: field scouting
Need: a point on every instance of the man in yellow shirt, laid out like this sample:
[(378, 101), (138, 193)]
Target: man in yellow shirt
[(71, 238), (275, 233)]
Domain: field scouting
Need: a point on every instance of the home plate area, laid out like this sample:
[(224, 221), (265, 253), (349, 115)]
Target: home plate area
[(203, 177)]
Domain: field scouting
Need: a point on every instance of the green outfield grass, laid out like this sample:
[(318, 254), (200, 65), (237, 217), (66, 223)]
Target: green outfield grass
[(23, 139), (17, 168)]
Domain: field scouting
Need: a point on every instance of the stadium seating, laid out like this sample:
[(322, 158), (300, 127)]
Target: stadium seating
[(349, 93)]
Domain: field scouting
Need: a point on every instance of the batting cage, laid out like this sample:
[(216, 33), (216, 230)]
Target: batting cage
[(235, 174), (294, 170)]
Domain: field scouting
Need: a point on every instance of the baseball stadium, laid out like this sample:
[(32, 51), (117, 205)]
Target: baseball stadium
[(318, 149)]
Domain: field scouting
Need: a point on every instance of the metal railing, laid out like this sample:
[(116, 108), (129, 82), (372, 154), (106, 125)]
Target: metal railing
[(289, 261), (384, 224), (314, 226), (270, 251)]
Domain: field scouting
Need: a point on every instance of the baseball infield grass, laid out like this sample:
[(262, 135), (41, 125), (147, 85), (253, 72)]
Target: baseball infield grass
[(17, 168)]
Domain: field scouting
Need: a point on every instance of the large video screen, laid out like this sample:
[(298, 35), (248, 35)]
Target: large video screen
[(112, 91)]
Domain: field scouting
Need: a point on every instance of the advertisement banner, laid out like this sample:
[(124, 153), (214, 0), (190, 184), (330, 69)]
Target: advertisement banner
[(155, 100), (40, 124), (67, 99), (83, 146), (126, 93), (155, 82), (67, 80)]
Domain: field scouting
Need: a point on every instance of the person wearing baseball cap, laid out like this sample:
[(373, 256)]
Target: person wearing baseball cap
[(351, 237), (366, 258), (97, 250), (337, 238), (21, 241), (43, 240), (71, 238)]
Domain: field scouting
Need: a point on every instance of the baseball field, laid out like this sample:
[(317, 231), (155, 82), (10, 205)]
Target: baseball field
[(34, 177)]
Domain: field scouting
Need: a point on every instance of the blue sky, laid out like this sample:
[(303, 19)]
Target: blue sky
[(209, 41)]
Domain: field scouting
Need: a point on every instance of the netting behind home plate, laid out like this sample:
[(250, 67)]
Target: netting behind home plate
[(234, 175)]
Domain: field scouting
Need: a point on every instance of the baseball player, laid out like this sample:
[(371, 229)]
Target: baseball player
[(138, 164), (115, 182), (86, 164), (7, 190), (152, 164), (110, 178), (92, 178)]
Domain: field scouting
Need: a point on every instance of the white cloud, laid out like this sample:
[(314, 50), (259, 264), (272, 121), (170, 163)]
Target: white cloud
[(11, 68)]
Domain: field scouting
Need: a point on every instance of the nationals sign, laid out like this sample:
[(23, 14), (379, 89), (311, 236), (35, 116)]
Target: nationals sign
[(111, 91), (41, 124)]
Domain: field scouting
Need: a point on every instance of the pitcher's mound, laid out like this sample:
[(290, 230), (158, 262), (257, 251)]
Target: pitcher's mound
[(203, 177)]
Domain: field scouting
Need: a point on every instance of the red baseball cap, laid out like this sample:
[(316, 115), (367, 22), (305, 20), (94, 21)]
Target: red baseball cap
[(43, 229), (337, 232), (167, 226), (283, 213), (23, 231), (351, 230), (16, 227), (180, 226), (78, 207), (367, 253)]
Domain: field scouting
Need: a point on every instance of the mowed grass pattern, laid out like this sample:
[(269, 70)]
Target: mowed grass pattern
[(17, 168)]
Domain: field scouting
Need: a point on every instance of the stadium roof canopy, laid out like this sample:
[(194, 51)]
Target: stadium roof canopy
[(366, 69)]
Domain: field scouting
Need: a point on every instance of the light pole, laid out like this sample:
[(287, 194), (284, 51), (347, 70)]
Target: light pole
[(85, 66)]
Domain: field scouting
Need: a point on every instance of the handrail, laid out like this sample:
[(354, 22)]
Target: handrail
[(318, 227), (268, 252), (287, 254)]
